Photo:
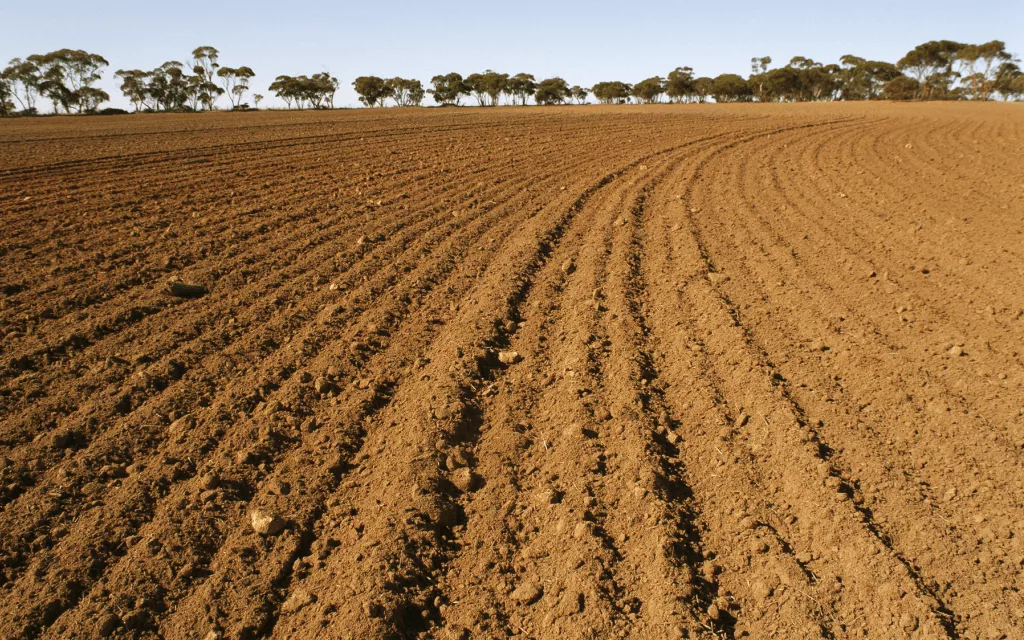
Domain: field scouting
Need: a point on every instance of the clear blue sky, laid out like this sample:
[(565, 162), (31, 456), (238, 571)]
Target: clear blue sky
[(583, 42)]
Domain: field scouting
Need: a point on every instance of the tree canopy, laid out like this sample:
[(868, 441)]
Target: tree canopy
[(448, 89), (933, 70), (552, 91)]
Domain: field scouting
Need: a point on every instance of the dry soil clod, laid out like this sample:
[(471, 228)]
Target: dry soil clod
[(185, 290)]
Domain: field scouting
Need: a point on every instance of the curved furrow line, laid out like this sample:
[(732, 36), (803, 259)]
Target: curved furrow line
[(934, 317), (795, 455), (919, 471), (886, 332), (679, 534), (538, 513), (325, 448), (164, 247), (946, 158), (273, 450), (970, 202), (583, 534), (402, 594), (824, 236), (764, 585), (742, 274), (193, 153), (316, 305), (299, 236), (915, 209)]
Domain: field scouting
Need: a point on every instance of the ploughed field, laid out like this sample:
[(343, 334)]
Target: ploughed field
[(645, 372)]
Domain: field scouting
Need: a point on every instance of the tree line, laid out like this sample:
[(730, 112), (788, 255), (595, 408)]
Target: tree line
[(935, 70), (66, 79)]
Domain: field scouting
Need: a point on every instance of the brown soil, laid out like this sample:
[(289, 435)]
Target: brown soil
[(749, 371)]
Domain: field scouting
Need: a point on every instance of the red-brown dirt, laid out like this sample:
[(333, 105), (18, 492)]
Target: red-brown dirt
[(646, 372)]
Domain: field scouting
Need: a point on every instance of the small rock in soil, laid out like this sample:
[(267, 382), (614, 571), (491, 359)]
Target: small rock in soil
[(279, 487), (301, 598), (107, 625), (372, 609), (956, 351), (175, 370), (463, 479), (267, 524), (182, 424), (244, 457), (568, 266), (60, 440), (322, 386), (527, 593), (185, 290), (583, 530), (509, 357)]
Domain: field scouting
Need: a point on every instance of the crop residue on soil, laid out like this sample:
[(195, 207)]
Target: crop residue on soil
[(649, 372)]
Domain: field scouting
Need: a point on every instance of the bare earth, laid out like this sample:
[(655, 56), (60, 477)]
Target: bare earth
[(644, 372)]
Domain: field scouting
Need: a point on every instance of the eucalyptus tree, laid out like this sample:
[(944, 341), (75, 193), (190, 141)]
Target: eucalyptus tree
[(286, 88), (901, 88), (235, 82), (134, 86), (863, 79), (759, 76), (1012, 87), (702, 88), (204, 66), (24, 80), (406, 93), (552, 91), (487, 87), (448, 89), (373, 91), (303, 91), (520, 88), (931, 64), (579, 94), (649, 91), (978, 66), (171, 89), (612, 92), (6, 92), (729, 87), (67, 77), (679, 84), (1009, 80)]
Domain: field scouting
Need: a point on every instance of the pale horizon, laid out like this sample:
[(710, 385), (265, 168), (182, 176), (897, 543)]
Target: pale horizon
[(610, 41)]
